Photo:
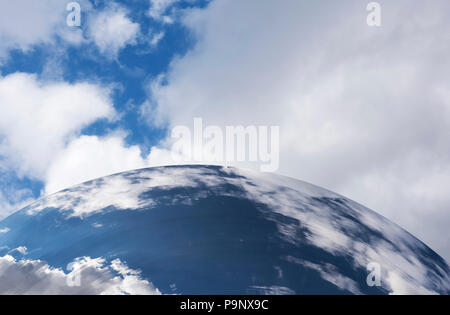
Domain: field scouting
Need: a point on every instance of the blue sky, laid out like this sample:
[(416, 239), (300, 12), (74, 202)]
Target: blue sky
[(362, 110)]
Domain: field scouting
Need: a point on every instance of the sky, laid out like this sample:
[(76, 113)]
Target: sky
[(363, 111)]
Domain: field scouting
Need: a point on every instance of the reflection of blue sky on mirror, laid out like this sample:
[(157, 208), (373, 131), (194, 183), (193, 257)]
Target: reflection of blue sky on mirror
[(362, 110), (214, 230)]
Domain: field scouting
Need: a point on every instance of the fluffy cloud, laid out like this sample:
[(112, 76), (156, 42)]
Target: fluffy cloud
[(90, 157), (112, 30), (88, 276), (362, 110), (37, 118), (24, 24)]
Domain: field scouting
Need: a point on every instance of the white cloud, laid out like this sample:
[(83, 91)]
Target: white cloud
[(21, 249), (4, 230), (112, 30), (156, 38), (90, 157), (24, 24), (273, 290), (119, 191), (401, 287), (95, 276), (330, 274), (37, 118), (158, 9), (362, 110)]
